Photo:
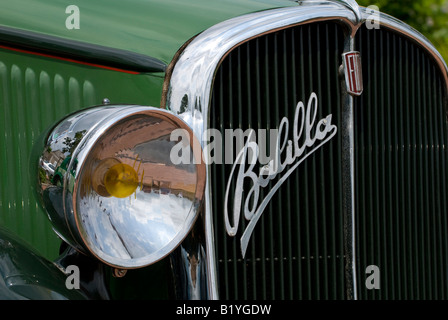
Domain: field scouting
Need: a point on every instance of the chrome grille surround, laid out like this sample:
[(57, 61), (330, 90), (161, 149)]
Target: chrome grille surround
[(190, 80)]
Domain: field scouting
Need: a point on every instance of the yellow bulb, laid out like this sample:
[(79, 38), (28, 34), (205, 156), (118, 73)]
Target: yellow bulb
[(121, 180)]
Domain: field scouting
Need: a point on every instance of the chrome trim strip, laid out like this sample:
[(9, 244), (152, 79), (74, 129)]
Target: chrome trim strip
[(355, 8), (192, 77), (81, 51), (348, 183), (212, 276), (188, 87)]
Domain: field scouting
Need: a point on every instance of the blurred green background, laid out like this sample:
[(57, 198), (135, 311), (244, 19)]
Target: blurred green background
[(430, 17)]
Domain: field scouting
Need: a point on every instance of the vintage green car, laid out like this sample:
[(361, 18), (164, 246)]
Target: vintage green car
[(257, 149)]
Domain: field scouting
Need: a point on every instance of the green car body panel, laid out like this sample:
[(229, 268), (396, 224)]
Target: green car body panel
[(39, 87), (153, 28)]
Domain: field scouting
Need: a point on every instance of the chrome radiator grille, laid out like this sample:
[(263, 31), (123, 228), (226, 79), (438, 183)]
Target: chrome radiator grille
[(401, 163), (297, 250)]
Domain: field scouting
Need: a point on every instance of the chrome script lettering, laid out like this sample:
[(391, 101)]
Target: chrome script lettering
[(294, 154)]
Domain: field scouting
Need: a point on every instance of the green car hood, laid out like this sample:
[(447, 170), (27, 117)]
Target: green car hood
[(153, 28)]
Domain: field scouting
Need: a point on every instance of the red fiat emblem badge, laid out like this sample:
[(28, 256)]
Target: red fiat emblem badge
[(353, 72)]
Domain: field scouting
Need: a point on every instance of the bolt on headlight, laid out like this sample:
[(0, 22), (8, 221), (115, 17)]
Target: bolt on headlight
[(114, 191)]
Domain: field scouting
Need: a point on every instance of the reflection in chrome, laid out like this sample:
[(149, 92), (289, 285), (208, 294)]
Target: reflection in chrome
[(121, 227), (354, 7), (115, 192)]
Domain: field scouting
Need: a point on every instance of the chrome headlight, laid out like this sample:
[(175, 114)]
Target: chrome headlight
[(113, 189)]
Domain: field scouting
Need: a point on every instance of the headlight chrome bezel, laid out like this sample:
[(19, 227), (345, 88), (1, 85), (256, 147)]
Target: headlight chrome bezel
[(82, 132)]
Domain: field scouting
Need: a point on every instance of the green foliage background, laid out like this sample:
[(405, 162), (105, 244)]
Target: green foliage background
[(430, 17)]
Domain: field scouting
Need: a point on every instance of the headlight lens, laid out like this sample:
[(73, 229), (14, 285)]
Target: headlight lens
[(121, 180), (123, 198)]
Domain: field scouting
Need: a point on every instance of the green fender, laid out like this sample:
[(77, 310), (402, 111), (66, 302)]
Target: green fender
[(24, 274)]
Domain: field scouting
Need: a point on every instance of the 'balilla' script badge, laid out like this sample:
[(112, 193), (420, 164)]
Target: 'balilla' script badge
[(287, 154)]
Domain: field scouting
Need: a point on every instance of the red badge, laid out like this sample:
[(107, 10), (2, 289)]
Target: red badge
[(353, 72)]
